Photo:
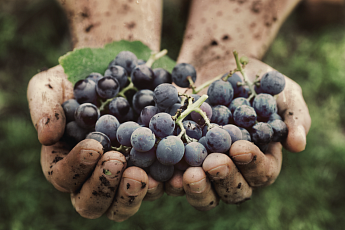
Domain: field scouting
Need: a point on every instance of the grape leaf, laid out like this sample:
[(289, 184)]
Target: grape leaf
[(81, 62)]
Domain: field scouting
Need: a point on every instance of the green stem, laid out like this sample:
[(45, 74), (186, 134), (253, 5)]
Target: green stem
[(245, 78), (122, 148), (155, 56)]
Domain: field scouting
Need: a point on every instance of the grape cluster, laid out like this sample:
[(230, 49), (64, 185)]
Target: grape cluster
[(136, 110)]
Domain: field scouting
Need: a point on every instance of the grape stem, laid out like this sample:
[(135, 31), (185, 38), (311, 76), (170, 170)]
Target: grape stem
[(245, 78), (155, 56), (190, 108), (122, 149), (206, 84), (120, 94)]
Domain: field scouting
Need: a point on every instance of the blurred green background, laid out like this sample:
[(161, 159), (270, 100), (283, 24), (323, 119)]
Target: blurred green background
[(309, 193)]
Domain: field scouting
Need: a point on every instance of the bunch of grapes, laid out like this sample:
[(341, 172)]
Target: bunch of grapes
[(136, 110)]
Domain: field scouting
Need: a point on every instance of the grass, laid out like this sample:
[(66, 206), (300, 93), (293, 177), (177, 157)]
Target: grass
[(307, 195)]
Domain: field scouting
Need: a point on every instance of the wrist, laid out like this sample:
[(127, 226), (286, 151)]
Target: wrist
[(96, 23)]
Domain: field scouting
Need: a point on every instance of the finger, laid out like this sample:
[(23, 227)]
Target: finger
[(174, 186), (229, 183), (67, 172), (257, 168), (98, 192), (46, 92), (155, 190), (131, 192), (199, 192), (293, 108)]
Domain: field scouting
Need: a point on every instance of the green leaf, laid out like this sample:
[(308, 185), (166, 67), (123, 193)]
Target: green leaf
[(79, 63)]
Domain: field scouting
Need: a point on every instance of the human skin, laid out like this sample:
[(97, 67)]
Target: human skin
[(92, 25)]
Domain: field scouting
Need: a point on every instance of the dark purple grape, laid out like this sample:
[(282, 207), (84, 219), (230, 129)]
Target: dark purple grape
[(170, 150), (238, 102), (101, 138), (244, 116), (272, 82), (141, 99), (244, 91), (85, 92), (87, 115), (74, 133), (142, 77), (193, 130), (107, 87), (160, 76), (147, 113), (280, 130), (161, 172), (220, 93), (180, 73), (127, 60), (108, 124), (234, 131), (69, 107), (162, 124), (143, 139), (165, 95), (234, 80), (119, 107), (142, 159), (218, 140), (275, 116), (173, 109), (195, 154), (261, 133), (119, 73), (221, 115), (245, 134), (265, 105)]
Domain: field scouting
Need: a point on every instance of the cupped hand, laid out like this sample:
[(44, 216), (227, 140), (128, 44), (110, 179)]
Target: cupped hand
[(99, 182), (232, 177)]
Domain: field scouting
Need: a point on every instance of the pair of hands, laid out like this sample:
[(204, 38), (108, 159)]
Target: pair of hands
[(82, 171)]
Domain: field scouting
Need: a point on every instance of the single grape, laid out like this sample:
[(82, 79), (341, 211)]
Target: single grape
[(272, 82), (165, 95), (119, 73), (74, 133), (265, 105), (244, 116), (127, 60), (205, 107), (280, 130), (142, 77), (245, 134), (170, 150), (86, 115), (142, 159), (101, 138), (234, 131), (220, 93), (193, 130), (160, 76), (69, 107), (195, 154), (238, 102), (173, 109), (218, 140), (143, 139), (234, 80), (180, 73), (162, 124), (206, 128), (261, 133), (94, 77), (161, 172), (124, 132), (85, 92), (119, 107), (107, 87), (244, 91), (108, 124), (221, 115), (275, 116), (141, 99), (147, 113)]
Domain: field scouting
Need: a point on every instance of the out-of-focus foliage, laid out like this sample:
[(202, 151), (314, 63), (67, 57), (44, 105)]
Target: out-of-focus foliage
[(308, 194)]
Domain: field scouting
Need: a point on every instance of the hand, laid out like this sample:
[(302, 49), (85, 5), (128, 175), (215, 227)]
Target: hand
[(84, 170), (233, 177)]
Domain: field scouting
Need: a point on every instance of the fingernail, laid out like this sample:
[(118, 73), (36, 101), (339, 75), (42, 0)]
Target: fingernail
[(199, 186), (245, 158), (112, 168), (132, 187), (219, 172), (88, 156)]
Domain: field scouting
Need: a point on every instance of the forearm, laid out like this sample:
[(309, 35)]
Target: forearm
[(94, 23), (215, 28)]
